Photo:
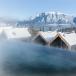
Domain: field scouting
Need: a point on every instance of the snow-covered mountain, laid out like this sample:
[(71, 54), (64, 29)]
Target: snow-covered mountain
[(48, 18), (53, 17), (42, 19)]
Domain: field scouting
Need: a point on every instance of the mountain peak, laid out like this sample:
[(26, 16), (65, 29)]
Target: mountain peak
[(54, 12), (52, 17), (46, 13), (48, 18)]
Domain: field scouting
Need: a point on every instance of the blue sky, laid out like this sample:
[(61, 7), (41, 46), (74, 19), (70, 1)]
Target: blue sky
[(23, 9)]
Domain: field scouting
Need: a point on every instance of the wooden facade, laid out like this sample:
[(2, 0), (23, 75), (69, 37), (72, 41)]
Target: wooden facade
[(59, 40), (40, 40), (59, 43)]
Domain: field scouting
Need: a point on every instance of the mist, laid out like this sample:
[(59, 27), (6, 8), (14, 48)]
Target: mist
[(26, 59)]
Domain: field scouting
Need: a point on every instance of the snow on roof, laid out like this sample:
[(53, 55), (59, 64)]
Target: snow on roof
[(4, 28), (49, 35), (70, 38), (17, 33)]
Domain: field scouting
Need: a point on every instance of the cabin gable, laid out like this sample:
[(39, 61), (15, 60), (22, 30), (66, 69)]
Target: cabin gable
[(40, 40), (59, 43)]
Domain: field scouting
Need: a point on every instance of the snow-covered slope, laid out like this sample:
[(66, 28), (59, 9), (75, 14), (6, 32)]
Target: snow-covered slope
[(42, 19), (53, 17), (48, 18)]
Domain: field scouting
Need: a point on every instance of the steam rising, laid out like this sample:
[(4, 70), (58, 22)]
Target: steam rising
[(24, 59)]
